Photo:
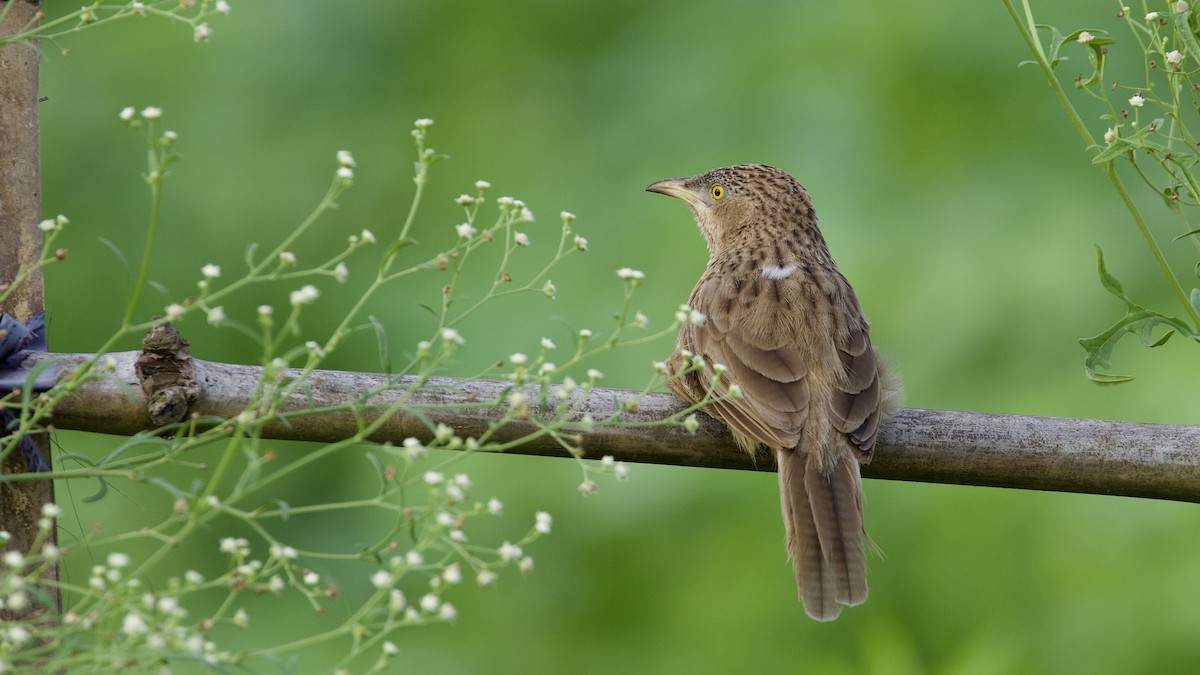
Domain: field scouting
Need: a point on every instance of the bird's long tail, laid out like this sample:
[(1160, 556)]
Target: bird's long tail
[(822, 512)]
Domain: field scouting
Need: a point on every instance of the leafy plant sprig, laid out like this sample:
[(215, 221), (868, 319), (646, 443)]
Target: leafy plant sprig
[(1150, 128)]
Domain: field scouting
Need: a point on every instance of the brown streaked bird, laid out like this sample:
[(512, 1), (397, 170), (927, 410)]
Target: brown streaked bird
[(788, 329)]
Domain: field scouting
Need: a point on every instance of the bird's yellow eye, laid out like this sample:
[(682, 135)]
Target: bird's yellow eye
[(718, 192)]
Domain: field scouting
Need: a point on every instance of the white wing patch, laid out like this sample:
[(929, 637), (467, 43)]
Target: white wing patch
[(777, 272)]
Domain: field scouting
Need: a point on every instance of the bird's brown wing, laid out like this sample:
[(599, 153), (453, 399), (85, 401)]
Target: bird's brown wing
[(770, 370), (856, 405)]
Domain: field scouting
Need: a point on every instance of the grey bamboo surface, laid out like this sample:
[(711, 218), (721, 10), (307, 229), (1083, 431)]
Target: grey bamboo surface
[(938, 446)]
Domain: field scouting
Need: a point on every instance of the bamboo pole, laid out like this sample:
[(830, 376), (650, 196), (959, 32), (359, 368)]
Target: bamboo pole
[(940, 446)]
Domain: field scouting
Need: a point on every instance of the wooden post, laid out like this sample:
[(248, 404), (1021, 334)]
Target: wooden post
[(20, 246)]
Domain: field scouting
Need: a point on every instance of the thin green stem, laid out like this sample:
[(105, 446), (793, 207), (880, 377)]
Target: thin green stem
[(155, 181), (1028, 30)]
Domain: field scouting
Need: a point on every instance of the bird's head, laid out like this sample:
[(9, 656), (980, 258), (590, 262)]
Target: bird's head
[(729, 199)]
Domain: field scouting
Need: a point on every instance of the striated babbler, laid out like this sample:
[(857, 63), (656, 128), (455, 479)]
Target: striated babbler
[(784, 325)]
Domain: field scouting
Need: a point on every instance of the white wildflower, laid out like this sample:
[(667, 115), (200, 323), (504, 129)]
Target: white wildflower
[(430, 602), (621, 471), (18, 635), (134, 624), (396, 600), (414, 449), (216, 316), (305, 296), (509, 551)]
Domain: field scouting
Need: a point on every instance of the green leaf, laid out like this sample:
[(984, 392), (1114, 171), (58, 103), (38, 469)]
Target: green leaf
[(1118, 147), (1056, 42), (116, 251), (161, 288), (381, 342), (1097, 44), (1186, 234), (1146, 335), (169, 487), (1110, 282), (1126, 144), (1139, 322), (1104, 378), (1195, 299), (1185, 23), (392, 251)]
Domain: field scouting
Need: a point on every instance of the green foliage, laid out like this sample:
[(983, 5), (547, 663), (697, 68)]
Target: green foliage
[(952, 196), (420, 551), (1162, 150)]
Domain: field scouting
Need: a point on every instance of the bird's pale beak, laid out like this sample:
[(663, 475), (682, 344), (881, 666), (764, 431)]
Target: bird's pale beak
[(673, 187)]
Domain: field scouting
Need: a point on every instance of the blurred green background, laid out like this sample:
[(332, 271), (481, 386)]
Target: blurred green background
[(951, 188)]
